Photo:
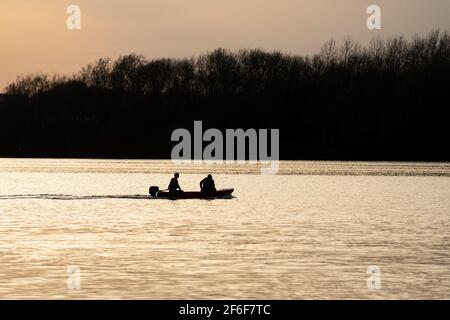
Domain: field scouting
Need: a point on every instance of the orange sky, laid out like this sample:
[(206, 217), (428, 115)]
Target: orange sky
[(34, 37)]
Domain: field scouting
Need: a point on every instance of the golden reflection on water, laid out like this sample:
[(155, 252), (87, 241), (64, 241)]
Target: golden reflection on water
[(291, 236)]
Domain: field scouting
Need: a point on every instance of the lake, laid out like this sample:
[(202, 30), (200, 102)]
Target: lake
[(86, 229)]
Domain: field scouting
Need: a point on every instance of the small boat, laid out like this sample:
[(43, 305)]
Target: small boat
[(165, 194)]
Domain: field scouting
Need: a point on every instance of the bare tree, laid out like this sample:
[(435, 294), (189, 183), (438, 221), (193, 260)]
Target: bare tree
[(29, 85)]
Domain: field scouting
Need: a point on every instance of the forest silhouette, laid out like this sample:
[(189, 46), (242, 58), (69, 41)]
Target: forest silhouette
[(388, 100)]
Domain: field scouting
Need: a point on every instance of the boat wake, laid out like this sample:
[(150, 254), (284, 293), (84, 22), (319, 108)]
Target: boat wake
[(72, 197), (69, 197)]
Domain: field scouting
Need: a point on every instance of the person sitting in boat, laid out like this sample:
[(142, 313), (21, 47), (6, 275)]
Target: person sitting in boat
[(207, 184), (174, 186)]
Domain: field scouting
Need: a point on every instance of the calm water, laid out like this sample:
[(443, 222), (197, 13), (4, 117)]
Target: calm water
[(309, 232)]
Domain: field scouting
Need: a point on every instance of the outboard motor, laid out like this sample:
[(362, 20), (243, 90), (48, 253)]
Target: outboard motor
[(153, 191)]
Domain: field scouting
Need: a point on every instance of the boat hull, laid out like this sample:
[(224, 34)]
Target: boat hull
[(225, 193)]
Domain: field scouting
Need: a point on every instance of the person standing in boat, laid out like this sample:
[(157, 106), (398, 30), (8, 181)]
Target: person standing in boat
[(174, 186), (207, 184)]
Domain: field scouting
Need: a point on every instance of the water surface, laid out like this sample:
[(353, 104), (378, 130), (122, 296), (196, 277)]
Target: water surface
[(309, 232)]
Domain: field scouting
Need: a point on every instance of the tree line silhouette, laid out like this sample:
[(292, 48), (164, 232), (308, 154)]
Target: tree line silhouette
[(388, 100)]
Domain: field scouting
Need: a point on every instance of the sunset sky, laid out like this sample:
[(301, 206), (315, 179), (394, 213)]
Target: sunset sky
[(34, 37)]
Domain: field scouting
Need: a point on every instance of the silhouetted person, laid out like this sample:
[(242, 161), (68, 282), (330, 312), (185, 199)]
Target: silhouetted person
[(173, 185), (207, 184)]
